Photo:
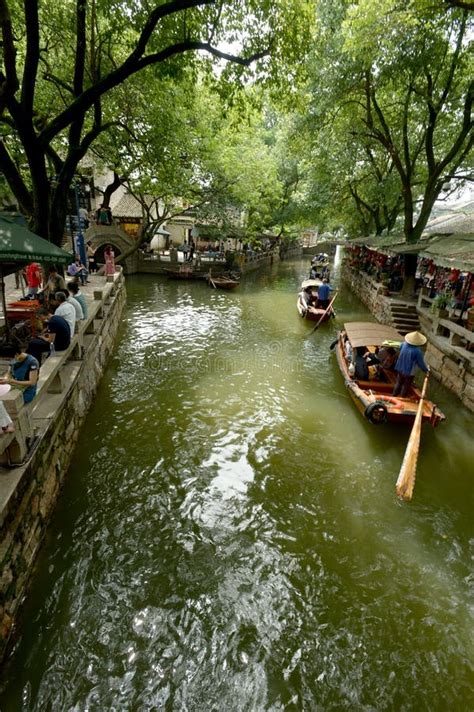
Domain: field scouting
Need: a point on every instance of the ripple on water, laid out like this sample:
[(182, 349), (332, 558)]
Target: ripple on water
[(229, 537)]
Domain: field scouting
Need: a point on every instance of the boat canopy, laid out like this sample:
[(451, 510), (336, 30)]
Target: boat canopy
[(368, 333), (311, 283)]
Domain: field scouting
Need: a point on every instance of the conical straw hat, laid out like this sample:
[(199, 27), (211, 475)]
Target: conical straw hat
[(415, 338)]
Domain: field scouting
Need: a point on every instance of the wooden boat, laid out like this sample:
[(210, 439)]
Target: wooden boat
[(184, 272), (222, 281), (315, 312), (373, 397)]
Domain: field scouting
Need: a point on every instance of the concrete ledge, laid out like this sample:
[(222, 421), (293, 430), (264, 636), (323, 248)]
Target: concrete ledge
[(47, 432)]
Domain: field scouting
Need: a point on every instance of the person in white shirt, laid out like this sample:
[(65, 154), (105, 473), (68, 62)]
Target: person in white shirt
[(79, 312), (66, 310), (75, 292)]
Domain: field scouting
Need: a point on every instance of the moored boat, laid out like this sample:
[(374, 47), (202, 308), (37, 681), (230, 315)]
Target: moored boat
[(184, 272), (373, 397), (222, 281), (314, 312)]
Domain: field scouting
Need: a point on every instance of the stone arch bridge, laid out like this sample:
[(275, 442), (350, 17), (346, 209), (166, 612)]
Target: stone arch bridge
[(102, 235)]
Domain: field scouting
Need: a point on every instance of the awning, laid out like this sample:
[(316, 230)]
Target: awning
[(18, 244), (368, 333)]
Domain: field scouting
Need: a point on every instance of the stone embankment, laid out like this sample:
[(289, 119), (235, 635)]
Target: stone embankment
[(36, 457)]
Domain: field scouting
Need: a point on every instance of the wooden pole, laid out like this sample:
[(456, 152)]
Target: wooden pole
[(406, 478), (211, 280), (329, 307)]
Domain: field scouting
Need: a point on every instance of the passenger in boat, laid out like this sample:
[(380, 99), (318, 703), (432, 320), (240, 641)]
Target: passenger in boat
[(314, 273), (410, 357), (324, 291), (387, 357), (348, 350), (361, 367)]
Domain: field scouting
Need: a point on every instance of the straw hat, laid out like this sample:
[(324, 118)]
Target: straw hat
[(4, 388), (415, 338)]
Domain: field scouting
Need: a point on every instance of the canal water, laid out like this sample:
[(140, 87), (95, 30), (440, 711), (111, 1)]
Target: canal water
[(229, 538)]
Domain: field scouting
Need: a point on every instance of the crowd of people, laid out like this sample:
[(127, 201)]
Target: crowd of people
[(61, 306)]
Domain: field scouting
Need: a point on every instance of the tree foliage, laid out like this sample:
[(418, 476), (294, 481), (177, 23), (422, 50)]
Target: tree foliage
[(62, 64), (391, 98)]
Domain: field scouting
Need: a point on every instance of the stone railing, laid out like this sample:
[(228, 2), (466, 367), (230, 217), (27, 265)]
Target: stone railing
[(36, 457)]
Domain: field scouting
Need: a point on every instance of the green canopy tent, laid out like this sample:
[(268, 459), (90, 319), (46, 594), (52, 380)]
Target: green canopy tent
[(19, 246)]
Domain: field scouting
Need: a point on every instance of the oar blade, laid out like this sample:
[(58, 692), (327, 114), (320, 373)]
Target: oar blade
[(406, 479)]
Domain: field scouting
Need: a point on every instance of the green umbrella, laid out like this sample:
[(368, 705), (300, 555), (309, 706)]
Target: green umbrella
[(20, 245)]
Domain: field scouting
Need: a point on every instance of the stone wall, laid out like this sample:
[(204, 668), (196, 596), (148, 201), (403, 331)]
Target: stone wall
[(28, 492), (369, 292)]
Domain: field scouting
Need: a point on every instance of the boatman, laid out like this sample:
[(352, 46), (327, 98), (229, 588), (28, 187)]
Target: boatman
[(324, 291), (410, 357)]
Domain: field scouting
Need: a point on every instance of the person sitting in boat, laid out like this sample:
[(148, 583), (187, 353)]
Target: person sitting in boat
[(410, 357), (306, 297), (361, 367), (324, 291), (387, 357), (314, 273), (348, 350)]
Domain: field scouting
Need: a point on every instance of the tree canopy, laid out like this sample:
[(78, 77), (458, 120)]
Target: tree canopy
[(62, 63), (349, 115)]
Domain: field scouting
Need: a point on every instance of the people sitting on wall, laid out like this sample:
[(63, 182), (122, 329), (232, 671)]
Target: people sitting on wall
[(54, 284), (71, 299), (78, 270), (23, 372), (75, 292), (55, 337), (65, 310)]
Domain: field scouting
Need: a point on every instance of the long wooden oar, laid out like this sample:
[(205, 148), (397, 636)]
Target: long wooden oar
[(211, 280), (406, 478), (329, 307)]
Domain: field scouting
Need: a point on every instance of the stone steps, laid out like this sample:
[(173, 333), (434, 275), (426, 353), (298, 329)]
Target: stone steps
[(404, 317)]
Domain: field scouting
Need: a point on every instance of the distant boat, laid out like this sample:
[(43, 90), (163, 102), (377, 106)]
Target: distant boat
[(373, 397), (314, 313), (222, 281)]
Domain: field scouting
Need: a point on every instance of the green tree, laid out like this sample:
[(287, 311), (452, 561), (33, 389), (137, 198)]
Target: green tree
[(397, 81), (62, 63)]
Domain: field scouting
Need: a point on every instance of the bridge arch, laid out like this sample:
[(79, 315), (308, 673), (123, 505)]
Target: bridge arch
[(100, 236)]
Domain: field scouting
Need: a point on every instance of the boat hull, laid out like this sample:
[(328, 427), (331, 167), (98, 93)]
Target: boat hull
[(313, 314)]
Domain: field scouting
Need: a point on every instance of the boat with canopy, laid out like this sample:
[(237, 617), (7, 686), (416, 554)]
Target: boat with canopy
[(373, 396)]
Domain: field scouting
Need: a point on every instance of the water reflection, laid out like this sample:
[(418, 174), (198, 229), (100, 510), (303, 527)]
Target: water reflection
[(229, 538)]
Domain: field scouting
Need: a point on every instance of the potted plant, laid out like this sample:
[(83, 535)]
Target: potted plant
[(439, 305)]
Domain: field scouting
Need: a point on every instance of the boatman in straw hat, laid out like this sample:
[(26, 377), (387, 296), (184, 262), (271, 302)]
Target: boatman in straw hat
[(410, 357)]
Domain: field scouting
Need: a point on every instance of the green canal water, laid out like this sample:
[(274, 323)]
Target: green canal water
[(228, 537)]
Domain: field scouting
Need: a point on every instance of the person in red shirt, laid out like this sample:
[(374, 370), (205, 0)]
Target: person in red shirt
[(33, 278)]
